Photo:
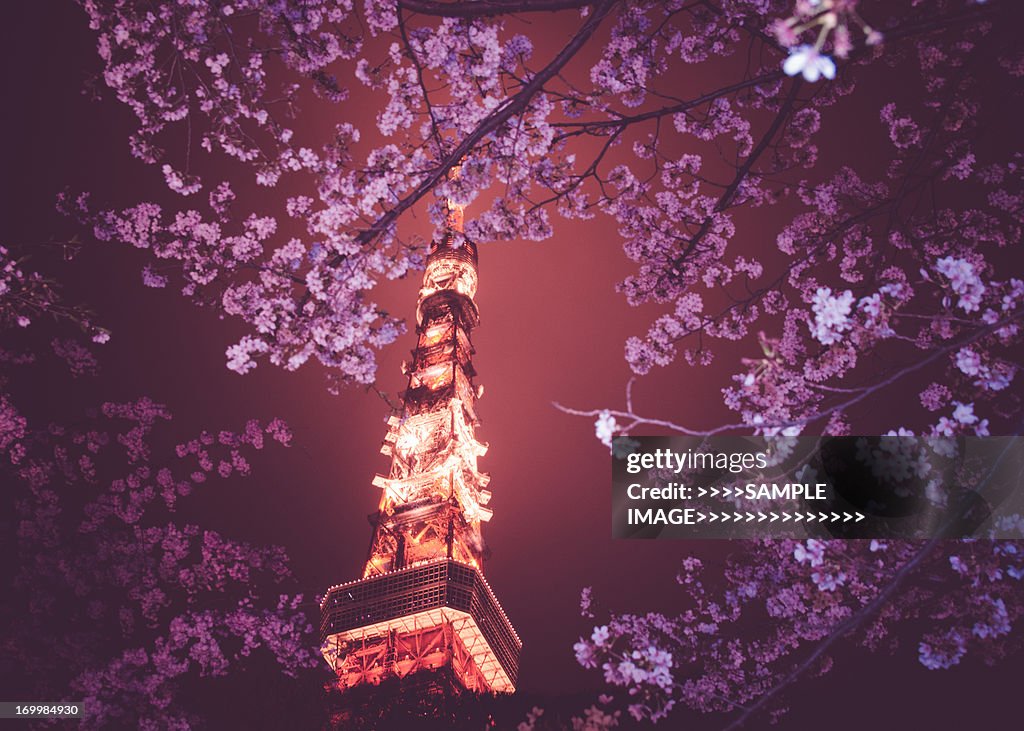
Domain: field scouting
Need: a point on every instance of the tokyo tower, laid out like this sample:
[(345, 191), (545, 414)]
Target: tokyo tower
[(423, 611)]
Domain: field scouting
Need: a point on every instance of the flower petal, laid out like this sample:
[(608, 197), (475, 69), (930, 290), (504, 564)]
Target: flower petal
[(827, 66), (796, 63)]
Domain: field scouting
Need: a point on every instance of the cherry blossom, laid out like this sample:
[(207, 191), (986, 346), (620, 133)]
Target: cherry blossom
[(864, 277), (832, 314), (809, 62), (114, 602), (605, 428), (812, 590)]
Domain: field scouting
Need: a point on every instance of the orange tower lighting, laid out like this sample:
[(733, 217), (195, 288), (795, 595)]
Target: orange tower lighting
[(423, 604)]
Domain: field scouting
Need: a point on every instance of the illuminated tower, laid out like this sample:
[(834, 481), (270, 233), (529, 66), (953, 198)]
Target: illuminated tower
[(423, 607)]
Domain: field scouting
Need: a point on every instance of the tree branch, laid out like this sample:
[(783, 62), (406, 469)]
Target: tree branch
[(489, 124), (932, 356), (865, 613), (489, 8)]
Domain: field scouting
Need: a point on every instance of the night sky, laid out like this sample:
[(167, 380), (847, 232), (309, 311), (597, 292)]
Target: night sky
[(552, 330)]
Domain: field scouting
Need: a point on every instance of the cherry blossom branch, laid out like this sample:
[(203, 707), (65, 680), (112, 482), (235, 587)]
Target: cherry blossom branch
[(624, 120), (635, 420), (842, 629), (490, 123), (859, 617), (434, 131), (490, 8)]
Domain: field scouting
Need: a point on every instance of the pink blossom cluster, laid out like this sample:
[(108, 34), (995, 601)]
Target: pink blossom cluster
[(460, 86), (694, 132), (94, 534), (963, 603), (204, 68), (113, 601)]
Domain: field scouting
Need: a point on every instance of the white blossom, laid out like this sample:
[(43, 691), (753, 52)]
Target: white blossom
[(605, 428), (808, 61), (831, 315), (964, 281)]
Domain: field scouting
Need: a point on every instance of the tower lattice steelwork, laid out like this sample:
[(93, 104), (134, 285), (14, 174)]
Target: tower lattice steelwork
[(423, 606)]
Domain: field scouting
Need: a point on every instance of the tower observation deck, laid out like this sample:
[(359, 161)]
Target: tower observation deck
[(423, 607)]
